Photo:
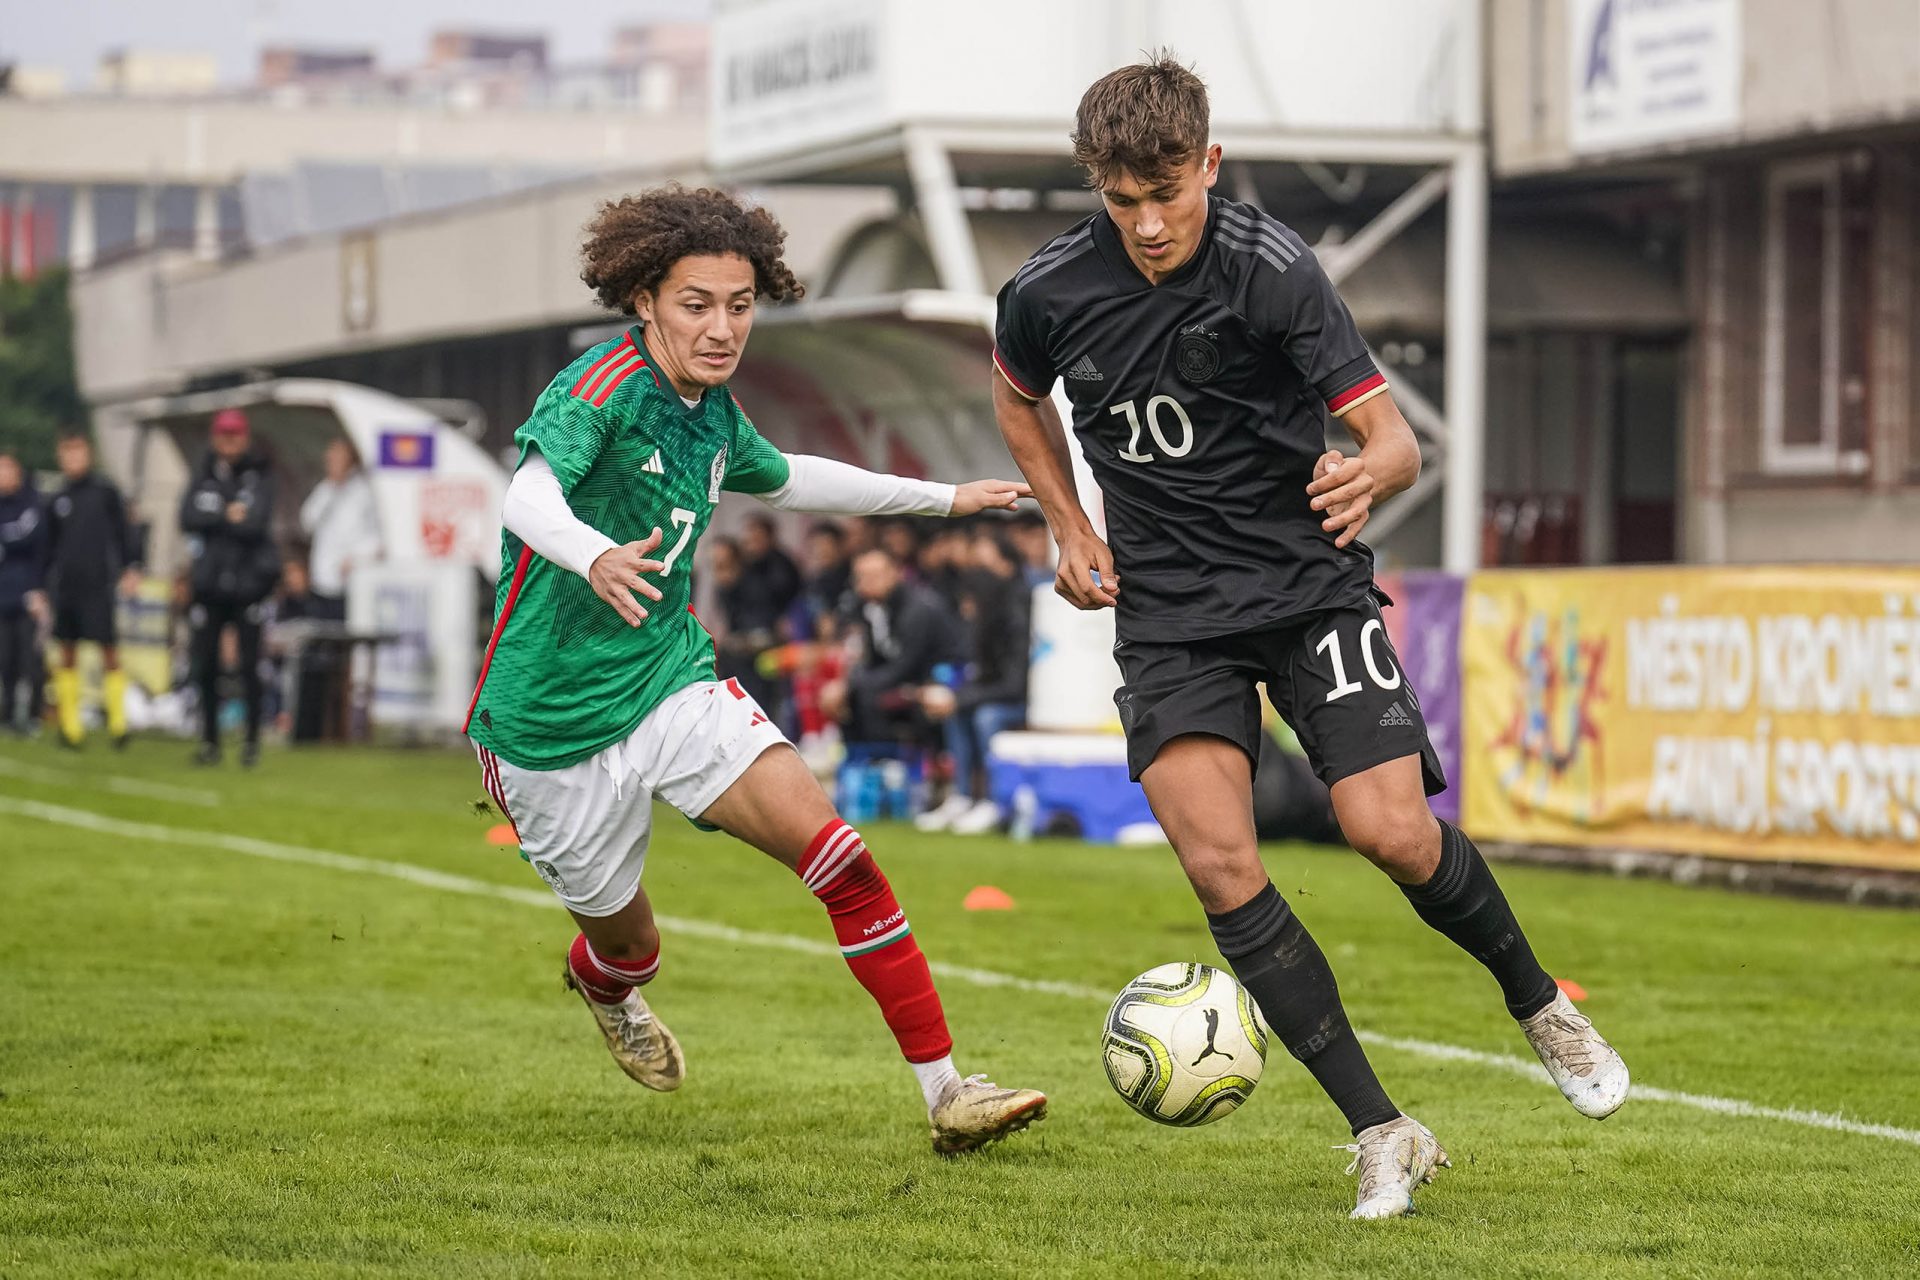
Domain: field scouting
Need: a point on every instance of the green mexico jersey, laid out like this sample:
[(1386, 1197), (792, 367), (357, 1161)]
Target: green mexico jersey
[(565, 676)]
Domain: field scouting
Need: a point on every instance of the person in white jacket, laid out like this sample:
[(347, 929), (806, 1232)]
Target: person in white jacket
[(344, 528)]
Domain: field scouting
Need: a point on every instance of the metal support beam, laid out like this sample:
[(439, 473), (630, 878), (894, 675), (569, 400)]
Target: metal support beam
[(146, 215), (1466, 361), (1238, 142), (1430, 431), (25, 233), (206, 223), (1340, 261), (83, 243), (938, 197)]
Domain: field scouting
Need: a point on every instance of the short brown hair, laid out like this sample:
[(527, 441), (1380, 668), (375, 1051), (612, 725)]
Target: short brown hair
[(632, 243), (1146, 119)]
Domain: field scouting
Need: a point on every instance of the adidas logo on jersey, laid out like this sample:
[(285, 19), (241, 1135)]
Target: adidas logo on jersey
[(1083, 370), (1396, 717), (653, 464)]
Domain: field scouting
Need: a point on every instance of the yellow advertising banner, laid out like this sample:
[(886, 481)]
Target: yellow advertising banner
[(1744, 712)]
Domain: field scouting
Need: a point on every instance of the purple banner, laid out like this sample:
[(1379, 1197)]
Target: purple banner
[(407, 450), (1425, 628)]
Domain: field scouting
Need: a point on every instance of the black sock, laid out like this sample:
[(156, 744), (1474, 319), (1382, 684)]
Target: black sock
[(1464, 902), (1282, 967)]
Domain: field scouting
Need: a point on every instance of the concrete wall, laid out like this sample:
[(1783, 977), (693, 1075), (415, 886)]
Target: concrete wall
[(1736, 510), (142, 140), (1807, 68), (1822, 526), (496, 267)]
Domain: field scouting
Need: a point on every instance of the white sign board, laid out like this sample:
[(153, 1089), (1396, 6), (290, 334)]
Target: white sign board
[(1648, 71), (790, 75), (423, 676)]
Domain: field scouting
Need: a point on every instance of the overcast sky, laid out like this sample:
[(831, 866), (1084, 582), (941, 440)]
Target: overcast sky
[(72, 34)]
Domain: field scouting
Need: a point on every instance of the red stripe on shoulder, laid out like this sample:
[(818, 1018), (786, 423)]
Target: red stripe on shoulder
[(615, 376), (613, 370), (598, 368)]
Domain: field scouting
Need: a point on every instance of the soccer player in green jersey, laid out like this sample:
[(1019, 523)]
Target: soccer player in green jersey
[(591, 704)]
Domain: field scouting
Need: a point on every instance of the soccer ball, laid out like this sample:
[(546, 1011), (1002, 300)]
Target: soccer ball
[(1184, 1044)]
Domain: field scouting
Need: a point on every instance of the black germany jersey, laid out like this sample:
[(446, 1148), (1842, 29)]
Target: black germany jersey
[(1201, 405)]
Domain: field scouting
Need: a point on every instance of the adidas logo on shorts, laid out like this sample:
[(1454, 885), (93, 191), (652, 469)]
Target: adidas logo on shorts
[(1396, 718)]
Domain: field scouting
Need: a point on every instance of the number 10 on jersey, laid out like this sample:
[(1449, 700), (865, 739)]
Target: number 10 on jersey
[(1155, 407)]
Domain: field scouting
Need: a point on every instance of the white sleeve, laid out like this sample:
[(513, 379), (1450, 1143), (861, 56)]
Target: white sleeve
[(536, 512), (314, 507), (828, 487)]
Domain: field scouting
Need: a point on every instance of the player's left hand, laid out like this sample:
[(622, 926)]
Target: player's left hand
[(987, 495), (129, 583), (1343, 488)]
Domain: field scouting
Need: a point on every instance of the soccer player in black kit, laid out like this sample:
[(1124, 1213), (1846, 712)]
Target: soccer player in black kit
[(1203, 349)]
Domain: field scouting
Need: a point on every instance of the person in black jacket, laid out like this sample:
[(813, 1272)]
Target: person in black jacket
[(909, 631), (91, 554), (767, 586), (23, 600), (227, 516), (998, 604)]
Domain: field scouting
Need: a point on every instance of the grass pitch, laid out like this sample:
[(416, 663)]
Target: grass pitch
[(219, 1063)]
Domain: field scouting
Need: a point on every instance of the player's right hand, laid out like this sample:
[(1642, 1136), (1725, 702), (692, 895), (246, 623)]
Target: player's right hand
[(1086, 578), (616, 575)]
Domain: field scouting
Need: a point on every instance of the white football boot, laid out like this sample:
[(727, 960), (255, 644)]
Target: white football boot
[(980, 818), (1393, 1159), (975, 1111), (941, 816), (639, 1042), (1585, 1067)]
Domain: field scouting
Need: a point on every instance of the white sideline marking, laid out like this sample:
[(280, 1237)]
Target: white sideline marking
[(112, 782), (88, 821)]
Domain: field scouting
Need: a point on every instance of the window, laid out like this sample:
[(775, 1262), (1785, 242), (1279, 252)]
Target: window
[(1817, 304)]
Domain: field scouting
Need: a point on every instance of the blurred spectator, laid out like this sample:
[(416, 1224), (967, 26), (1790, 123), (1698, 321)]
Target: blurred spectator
[(769, 579), (723, 569), (341, 519), (227, 515), (829, 576), (23, 598), (901, 540), (1028, 529), (91, 551), (767, 587), (295, 598), (944, 558), (908, 631), (862, 535), (298, 707), (992, 696)]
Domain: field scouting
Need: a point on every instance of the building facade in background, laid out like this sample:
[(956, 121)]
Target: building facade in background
[(1781, 140), (1699, 324)]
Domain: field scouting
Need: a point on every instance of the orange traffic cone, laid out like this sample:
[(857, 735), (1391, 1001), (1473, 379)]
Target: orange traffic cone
[(987, 898), (1574, 990), (502, 833)]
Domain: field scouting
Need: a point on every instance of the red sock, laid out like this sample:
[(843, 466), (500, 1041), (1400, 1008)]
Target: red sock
[(608, 981), (875, 939)]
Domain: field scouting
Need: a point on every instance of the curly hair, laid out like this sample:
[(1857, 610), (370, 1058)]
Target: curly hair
[(1147, 120), (632, 243)]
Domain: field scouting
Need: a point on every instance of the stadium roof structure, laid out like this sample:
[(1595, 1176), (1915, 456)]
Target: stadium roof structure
[(889, 94)]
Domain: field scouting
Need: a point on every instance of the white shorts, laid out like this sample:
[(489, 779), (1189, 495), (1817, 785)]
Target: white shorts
[(585, 827)]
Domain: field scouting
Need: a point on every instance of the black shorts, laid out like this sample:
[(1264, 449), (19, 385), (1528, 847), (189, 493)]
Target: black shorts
[(1332, 674), (85, 613)]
